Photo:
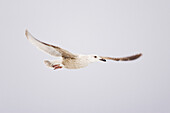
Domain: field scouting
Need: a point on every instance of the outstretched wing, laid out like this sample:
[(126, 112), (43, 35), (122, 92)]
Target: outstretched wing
[(133, 57), (52, 50)]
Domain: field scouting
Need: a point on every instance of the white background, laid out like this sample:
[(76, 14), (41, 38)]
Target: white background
[(103, 27)]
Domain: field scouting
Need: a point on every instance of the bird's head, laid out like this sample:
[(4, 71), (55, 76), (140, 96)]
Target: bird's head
[(95, 58)]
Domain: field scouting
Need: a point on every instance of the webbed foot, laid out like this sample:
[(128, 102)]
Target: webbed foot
[(57, 66)]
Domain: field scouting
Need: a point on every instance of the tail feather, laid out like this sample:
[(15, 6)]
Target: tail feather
[(48, 63)]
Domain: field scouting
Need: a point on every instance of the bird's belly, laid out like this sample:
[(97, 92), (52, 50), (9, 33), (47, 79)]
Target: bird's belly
[(74, 64)]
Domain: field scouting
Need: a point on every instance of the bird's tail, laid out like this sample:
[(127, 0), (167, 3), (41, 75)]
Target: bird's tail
[(52, 63), (48, 63)]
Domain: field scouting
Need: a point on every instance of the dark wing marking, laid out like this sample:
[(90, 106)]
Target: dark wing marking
[(133, 57)]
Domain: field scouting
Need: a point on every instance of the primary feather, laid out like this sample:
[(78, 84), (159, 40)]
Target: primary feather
[(52, 50)]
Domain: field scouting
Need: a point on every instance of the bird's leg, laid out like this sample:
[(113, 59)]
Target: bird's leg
[(57, 66)]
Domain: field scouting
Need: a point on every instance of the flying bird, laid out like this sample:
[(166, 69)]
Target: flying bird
[(69, 60)]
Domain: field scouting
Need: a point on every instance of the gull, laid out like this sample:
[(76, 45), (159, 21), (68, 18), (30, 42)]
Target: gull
[(69, 60)]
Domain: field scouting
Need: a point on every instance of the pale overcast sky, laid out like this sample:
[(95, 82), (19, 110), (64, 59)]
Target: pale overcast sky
[(103, 27)]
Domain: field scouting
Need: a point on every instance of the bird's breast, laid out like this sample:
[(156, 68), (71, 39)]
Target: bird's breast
[(74, 63)]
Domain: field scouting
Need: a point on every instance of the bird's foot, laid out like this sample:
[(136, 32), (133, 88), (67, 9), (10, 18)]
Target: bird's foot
[(57, 66)]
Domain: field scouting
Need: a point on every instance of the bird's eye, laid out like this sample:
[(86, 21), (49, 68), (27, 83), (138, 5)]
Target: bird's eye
[(95, 56)]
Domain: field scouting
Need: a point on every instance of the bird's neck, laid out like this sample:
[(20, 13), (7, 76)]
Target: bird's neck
[(86, 58)]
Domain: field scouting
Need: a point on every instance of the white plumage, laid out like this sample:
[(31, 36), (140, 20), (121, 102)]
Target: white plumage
[(69, 60)]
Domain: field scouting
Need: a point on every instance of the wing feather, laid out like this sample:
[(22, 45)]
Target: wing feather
[(128, 58), (50, 49)]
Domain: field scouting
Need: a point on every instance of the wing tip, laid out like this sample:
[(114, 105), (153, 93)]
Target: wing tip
[(26, 33), (134, 57), (139, 55)]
